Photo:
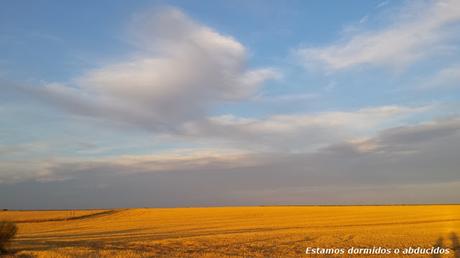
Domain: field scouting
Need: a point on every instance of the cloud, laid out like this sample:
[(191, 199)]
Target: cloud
[(18, 170), (404, 139), (181, 69), (417, 31), (66, 168), (382, 4), (289, 98), (448, 77), (300, 132), (221, 142), (314, 138), (405, 164)]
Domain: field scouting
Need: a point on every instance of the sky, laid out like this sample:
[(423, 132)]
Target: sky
[(224, 103)]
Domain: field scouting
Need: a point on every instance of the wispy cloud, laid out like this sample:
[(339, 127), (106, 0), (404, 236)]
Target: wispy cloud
[(382, 4), (300, 132), (448, 77), (285, 97), (420, 29)]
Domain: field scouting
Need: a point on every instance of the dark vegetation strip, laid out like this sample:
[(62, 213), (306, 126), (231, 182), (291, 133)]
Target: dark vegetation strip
[(86, 216)]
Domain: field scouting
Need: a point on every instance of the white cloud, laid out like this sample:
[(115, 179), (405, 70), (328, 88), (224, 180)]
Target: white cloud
[(419, 30), (448, 77), (13, 171), (382, 4), (301, 132), (180, 70)]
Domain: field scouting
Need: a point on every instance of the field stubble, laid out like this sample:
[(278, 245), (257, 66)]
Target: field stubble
[(284, 231)]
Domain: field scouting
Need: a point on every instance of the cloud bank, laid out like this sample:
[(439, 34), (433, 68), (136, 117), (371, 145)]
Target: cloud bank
[(406, 162)]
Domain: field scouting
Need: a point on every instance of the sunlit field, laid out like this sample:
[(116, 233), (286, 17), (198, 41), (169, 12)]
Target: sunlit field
[(284, 231)]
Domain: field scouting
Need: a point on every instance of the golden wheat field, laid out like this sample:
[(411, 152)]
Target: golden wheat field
[(284, 231)]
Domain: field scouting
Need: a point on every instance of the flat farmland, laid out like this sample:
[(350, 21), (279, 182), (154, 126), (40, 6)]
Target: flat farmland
[(278, 231)]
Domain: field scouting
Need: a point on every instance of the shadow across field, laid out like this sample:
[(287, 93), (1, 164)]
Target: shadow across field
[(87, 216), (123, 239)]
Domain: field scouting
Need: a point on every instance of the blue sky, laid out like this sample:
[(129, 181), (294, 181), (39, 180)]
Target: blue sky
[(229, 91)]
